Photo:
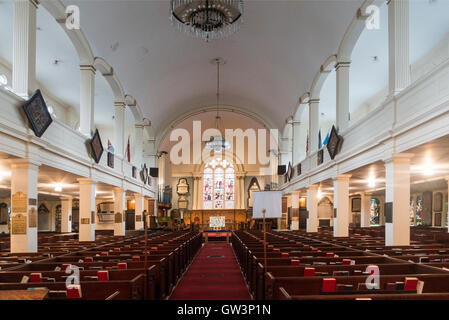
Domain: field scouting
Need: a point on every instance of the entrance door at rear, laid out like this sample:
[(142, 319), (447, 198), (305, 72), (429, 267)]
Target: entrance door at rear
[(130, 220)]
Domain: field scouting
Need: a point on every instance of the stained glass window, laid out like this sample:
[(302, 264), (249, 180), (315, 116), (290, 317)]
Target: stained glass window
[(412, 212), (374, 212), (419, 211), (218, 185)]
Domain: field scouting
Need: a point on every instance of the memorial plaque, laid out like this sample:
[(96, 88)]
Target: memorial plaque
[(85, 221), (118, 217), (32, 216), (334, 144), (32, 202), (96, 146), (19, 203), (320, 157), (138, 218), (388, 212), (182, 188), (124, 216), (19, 224), (335, 212), (37, 114), (92, 216)]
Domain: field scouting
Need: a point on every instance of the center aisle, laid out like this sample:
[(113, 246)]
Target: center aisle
[(213, 275)]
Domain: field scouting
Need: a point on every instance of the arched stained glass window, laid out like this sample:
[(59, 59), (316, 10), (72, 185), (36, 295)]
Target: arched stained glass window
[(374, 212), (218, 185), (418, 211)]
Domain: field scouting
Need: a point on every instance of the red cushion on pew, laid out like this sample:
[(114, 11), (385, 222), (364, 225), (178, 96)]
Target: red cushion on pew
[(122, 265), (329, 254), (153, 248), (88, 259), (116, 249), (74, 291), (276, 249), (65, 266), (284, 254), (410, 283), (127, 246), (309, 272), (294, 262), (36, 277), (136, 258), (103, 275), (329, 285), (104, 254)]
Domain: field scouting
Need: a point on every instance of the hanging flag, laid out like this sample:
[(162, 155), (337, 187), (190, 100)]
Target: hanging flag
[(307, 144), (326, 140), (110, 147), (319, 140), (128, 153)]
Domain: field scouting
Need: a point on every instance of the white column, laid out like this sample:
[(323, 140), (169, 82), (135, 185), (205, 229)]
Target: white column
[(119, 128), (341, 205), (312, 208), (274, 166), (399, 48), (195, 193), (242, 193), (138, 147), (24, 176), (314, 124), (342, 74), (87, 98), (66, 214), (397, 200), (297, 145), (119, 209), (162, 169), (24, 47), (87, 209), (365, 200), (140, 207), (294, 202)]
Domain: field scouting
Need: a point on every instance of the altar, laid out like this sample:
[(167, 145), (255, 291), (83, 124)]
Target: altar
[(233, 217)]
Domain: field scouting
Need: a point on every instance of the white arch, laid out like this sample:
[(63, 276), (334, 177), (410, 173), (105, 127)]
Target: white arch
[(57, 9), (354, 31), (175, 120), (108, 73), (321, 76)]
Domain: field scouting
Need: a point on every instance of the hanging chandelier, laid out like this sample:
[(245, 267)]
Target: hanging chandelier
[(218, 143), (207, 19)]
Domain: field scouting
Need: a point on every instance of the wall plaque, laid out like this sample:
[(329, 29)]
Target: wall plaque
[(32, 202), (138, 218), (335, 212), (289, 171), (388, 212), (37, 113), (19, 224), (19, 203), (334, 144), (356, 204), (92, 216), (96, 146), (182, 188), (32, 216), (298, 169), (118, 217), (85, 221), (320, 157), (284, 204), (124, 216)]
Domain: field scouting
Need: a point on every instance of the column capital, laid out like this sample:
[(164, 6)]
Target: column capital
[(24, 163), (399, 158), (87, 67), (120, 104), (118, 189), (138, 196), (313, 187), (342, 177), (86, 181), (314, 101), (343, 64)]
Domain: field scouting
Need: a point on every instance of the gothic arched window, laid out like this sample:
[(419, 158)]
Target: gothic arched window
[(218, 185)]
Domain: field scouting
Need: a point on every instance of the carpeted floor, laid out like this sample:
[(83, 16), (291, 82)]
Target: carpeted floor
[(213, 275)]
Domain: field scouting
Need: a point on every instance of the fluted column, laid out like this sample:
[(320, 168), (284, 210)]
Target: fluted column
[(195, 193), (312, 208), (66, 214), (86, 210), (342, 74), (138, 147), (399, 45), (140, 207), (119, 128), (87, 98), (341, 205), (294, 202), (296, 142), (24, 47), (314, 124)]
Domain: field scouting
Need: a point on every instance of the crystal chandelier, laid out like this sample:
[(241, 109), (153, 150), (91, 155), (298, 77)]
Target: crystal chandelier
[(207, 19), (217, 143)]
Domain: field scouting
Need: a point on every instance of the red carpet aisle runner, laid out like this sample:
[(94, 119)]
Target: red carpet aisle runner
[(213, 275)]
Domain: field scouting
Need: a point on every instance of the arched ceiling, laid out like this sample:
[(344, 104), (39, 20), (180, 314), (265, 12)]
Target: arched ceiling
[(271, 61)]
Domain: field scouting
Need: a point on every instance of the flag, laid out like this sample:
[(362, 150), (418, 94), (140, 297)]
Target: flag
[(128, 153), (326, 140), (307, 144), (319, 140), (110, 147)]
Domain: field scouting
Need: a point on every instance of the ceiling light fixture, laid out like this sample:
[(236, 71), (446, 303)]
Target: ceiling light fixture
[(58, 187), (207, 19), (319, 194), (217, 143), (428, 170)]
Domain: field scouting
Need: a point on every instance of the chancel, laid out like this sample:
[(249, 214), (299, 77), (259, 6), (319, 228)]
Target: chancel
[(224, 150)]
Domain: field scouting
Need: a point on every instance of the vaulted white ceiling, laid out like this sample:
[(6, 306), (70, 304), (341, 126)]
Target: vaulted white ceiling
[(271, 61)]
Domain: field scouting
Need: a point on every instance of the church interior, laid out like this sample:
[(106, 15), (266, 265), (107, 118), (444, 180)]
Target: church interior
[(224, 150)]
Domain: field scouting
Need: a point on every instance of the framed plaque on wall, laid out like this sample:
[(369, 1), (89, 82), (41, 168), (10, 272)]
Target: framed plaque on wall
[(37, 113)]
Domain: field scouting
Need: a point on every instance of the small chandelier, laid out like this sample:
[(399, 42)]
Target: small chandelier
[(217, 143), (207, 19)]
